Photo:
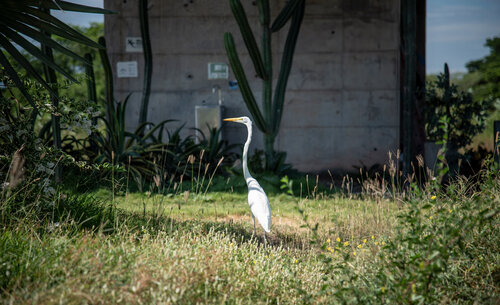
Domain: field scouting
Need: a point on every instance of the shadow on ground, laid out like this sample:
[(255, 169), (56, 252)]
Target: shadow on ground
[(242, 233)]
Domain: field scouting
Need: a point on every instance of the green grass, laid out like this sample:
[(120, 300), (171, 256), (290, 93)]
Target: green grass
[(199, 248), (186, 267), (337, 216)]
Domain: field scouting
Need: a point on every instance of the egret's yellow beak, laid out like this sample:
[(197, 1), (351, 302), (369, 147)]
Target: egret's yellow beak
[(232, 119)]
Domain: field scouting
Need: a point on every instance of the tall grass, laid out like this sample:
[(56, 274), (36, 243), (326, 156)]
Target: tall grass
[(423, 245)]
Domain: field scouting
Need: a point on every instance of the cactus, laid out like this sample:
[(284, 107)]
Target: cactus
[(148, 60), (108, 76), (91, 90), (269, 118)]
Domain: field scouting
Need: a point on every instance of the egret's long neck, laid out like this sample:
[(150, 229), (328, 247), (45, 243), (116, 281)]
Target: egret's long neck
[(246, 173)]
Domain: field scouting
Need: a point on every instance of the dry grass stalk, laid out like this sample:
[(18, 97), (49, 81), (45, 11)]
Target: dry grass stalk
[(157, 180), (16, 169)]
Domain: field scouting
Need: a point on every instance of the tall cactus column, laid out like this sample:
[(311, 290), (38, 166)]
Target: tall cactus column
[(267, 86), (269, 118), (148, 60)]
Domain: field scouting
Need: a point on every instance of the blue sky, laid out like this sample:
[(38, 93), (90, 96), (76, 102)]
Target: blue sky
[(456, 29), (80, 18)]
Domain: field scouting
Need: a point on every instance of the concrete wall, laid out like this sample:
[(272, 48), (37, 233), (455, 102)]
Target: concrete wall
[(342, 104)]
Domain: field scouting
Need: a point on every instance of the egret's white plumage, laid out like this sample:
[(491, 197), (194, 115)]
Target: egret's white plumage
[(257, 199)]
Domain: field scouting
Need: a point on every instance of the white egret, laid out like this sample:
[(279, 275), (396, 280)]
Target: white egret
[(257, 199)]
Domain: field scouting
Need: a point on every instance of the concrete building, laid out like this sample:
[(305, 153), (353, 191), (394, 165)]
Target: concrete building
[(342, 106)]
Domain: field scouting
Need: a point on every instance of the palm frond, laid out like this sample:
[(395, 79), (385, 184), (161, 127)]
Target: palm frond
[(28, 18)]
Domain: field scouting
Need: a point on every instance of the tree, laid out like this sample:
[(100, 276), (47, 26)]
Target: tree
[(75, 67), (485, 85), (488, 85)]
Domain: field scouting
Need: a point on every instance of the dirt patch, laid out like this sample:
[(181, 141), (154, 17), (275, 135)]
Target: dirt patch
[(277, 221)]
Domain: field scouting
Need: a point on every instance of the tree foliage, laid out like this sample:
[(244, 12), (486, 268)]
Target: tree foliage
[(488, 84)]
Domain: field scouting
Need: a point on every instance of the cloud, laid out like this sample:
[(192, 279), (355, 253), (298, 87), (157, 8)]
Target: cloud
[(465, 32)]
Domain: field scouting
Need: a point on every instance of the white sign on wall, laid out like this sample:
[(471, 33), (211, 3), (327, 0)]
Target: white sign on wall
[(126, 69), (217, 70), (133, 45)]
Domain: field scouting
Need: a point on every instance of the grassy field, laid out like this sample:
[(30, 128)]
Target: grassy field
[(337, 216), (198, 248)]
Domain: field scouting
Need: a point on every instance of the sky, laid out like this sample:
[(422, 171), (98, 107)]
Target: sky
[(456, 29), (82, 19)]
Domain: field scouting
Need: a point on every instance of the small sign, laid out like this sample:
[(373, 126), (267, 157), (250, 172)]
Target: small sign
[(217, 70), (126, 69), (233, 84), (133, 45)]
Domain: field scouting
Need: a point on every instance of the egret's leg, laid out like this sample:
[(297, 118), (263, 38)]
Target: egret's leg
[(253, 217), (265, 241)]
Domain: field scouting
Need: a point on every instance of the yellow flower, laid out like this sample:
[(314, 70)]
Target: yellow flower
[(433, 197), (329, 249), (382, 289), (354, 253), (430, 217), (364, 241), (422, 266), (359, 246), (346, 243), (383, 243), (254, 263), (338, 239), (295, 261), (450, 210), (373, 237), (328, 240)]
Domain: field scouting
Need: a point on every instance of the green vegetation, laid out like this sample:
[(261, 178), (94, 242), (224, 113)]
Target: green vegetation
[(33, 20), (453, 117), (464, 115), (140, 218), (481, 81), (430, 247)]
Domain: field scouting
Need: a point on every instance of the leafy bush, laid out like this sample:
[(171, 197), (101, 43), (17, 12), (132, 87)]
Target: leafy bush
[(445, 250), (466, 116)]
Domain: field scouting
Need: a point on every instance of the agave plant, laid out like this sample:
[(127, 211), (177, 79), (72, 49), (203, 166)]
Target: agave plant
[(22, 19), (268, 120), (217, 150), (177, 154), (133, 151)]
